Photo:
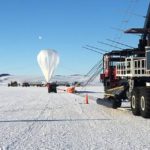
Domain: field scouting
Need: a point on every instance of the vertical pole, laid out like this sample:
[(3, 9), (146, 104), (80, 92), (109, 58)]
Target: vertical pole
[(86, 99)]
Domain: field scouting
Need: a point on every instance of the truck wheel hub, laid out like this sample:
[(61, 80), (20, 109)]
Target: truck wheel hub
[(133, 102), (142, 103)]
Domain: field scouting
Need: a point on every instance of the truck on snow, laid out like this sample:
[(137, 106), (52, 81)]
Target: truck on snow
[(126, 73)]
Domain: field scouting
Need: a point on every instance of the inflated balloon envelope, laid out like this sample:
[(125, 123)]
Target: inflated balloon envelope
[(48, 60)]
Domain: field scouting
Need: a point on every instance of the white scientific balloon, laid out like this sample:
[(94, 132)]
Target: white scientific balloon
[(48, 60)]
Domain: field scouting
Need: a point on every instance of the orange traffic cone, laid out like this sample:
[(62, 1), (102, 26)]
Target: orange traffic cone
[(86, 99)]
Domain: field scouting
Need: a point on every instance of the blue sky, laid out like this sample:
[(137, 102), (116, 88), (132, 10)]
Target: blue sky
[(66, 26)]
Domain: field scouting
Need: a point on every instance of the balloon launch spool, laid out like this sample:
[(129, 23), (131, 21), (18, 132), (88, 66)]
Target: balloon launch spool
[(52, 87)]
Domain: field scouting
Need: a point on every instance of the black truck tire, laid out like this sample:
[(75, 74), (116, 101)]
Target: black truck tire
[(145, 102), (135, 102)]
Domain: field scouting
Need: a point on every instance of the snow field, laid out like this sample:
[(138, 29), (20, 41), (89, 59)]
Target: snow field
[(30, 118)]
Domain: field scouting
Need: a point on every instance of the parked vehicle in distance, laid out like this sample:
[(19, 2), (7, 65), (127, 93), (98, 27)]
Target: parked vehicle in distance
[(25, 84), (13, 83)]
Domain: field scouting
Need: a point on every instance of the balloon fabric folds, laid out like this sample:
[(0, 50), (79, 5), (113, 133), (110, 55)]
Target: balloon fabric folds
[(48, 61)]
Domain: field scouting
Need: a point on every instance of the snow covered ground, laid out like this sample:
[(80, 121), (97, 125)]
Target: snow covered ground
[(32, 119)]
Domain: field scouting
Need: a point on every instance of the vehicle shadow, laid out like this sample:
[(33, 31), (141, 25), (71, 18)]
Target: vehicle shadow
[(53, 120)]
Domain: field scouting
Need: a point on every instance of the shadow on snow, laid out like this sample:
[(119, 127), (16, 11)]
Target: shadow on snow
[(54, 120)]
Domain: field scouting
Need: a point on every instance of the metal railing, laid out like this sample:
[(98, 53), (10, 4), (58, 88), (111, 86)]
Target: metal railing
[(132, 67)]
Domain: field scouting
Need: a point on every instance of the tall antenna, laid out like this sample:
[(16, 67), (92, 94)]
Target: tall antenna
[(127, 17)]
